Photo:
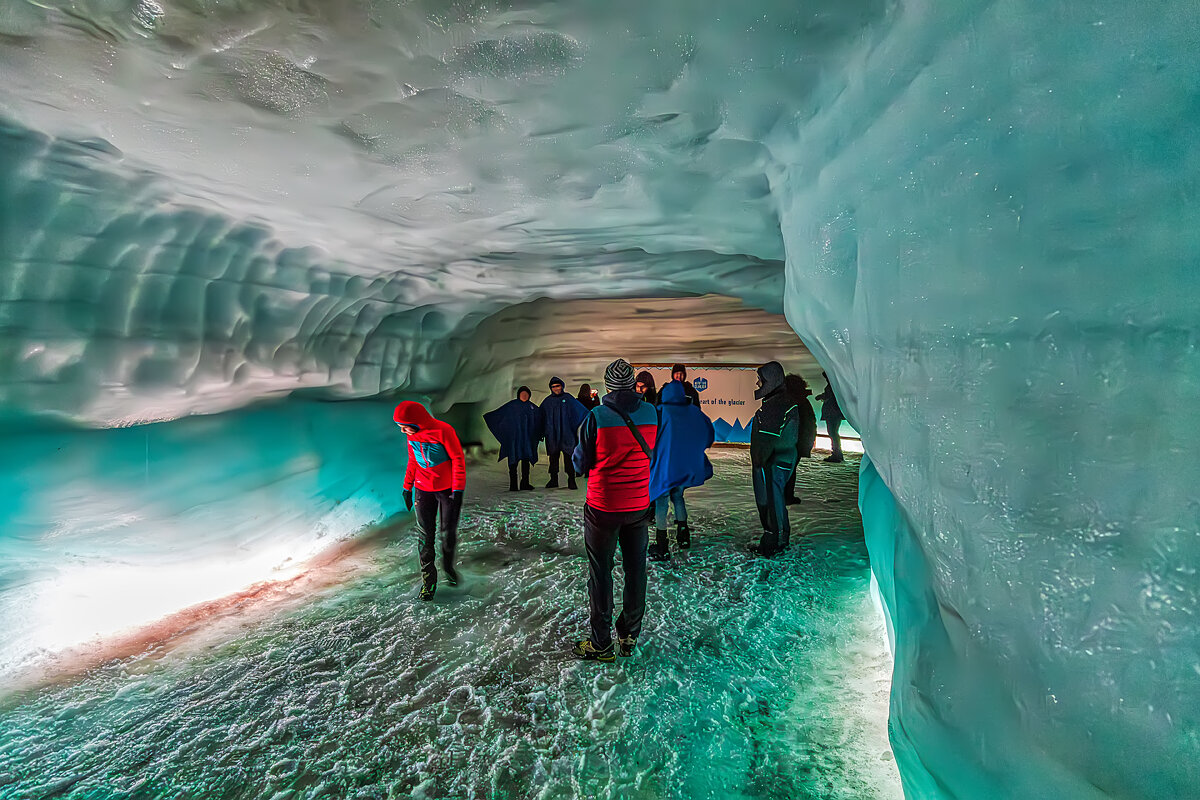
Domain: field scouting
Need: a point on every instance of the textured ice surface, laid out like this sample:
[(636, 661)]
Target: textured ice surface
[(987, 210), (106, 531), (753, 680)]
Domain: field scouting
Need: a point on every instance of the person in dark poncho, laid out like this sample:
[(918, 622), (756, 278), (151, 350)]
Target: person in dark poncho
[(562, 415), (586, 397), (679, 373), (798, 392), (518, 426), (645, 387), (773, 435), (684, 433)]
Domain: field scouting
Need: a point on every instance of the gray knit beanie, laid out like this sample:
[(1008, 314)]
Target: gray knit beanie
[(618, 375)]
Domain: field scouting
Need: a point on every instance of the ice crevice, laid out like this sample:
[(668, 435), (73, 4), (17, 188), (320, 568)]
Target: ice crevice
[(979, 217)]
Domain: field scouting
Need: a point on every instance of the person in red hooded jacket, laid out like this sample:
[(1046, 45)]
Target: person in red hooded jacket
[(437, 469)]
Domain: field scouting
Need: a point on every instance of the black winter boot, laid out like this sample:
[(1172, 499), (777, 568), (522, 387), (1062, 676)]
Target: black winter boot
[(512, 477), (571, 477), (553, 482), (683, 534), (661, 549), (525, 484)]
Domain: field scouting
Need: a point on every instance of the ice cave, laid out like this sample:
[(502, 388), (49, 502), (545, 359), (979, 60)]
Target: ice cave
[(234, 234)]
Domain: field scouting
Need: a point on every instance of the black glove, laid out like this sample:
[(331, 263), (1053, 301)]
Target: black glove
[(408, 500), (456, 497)]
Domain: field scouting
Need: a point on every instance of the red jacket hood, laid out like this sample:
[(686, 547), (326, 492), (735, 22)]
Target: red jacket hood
[(410, 413)]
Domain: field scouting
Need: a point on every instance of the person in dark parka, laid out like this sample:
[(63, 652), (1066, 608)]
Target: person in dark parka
[(518, 426), (679, 373), (773, 435), (797, 389), (645, 387), (831, 412), (562, 415), (679, 462), (586, 397)]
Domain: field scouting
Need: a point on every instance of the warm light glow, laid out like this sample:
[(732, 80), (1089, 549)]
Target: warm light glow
[(89, 602), (848, 445)]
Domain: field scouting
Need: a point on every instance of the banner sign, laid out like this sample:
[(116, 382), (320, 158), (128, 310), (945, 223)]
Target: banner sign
[(726, 396)]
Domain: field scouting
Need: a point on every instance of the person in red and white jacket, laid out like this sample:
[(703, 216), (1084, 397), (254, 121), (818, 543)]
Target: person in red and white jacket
[(616, 461), (437, 469)]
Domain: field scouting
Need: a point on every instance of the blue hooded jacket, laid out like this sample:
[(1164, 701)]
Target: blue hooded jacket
[(684, 433), (563, 414), (517, 425)]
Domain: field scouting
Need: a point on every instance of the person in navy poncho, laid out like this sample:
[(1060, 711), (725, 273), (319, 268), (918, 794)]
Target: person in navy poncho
[(562, 415), (684, 433), (518, 426)]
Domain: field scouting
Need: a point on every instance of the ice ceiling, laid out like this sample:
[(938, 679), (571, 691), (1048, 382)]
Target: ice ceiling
[(981, 217)]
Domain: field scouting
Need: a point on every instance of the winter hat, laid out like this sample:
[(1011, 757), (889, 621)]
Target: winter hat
[(645, 378), (523, 389), (619, 375), (771, 374), (557, 381), (679, 368)]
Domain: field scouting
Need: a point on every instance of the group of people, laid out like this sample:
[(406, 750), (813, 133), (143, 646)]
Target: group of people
[(640, 448)]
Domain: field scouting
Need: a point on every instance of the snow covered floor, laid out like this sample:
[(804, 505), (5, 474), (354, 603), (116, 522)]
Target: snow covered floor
[(753, 678)]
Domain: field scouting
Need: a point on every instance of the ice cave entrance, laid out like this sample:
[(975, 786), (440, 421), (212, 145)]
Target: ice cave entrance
[(197, 601)]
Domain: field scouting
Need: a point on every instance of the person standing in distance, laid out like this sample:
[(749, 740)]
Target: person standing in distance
[(562, 415), (437, 469), (616, 444), (679, 373), (644, 386), (773, 436), (831, 412), (518, 426)]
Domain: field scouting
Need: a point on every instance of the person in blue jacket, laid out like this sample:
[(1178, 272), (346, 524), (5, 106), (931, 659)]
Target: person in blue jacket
[(518, 426), (684, 433), (562, 415)]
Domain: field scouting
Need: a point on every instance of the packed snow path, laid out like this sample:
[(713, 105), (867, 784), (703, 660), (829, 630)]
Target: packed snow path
[(753, 678)]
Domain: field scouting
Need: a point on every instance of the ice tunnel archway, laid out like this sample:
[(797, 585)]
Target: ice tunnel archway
[(987, 215)]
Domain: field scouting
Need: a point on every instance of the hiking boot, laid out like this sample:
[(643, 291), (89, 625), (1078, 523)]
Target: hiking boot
[(427, 591), (660, 550), (552, 483), (625, 646), (765, 549), (683, 535), (451, 574), (587, 651)]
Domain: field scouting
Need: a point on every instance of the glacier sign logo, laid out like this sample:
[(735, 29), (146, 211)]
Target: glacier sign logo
[(700, 384)]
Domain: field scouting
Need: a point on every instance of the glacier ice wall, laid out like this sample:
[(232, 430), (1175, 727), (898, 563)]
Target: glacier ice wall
[(997, 220), (108, 530), (987, 211)]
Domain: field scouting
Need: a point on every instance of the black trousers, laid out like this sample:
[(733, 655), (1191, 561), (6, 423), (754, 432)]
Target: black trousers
[(602, 532), (570, 468), (512, 472), (833, 427), (427, 505), (770, 485), (789, 491)]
